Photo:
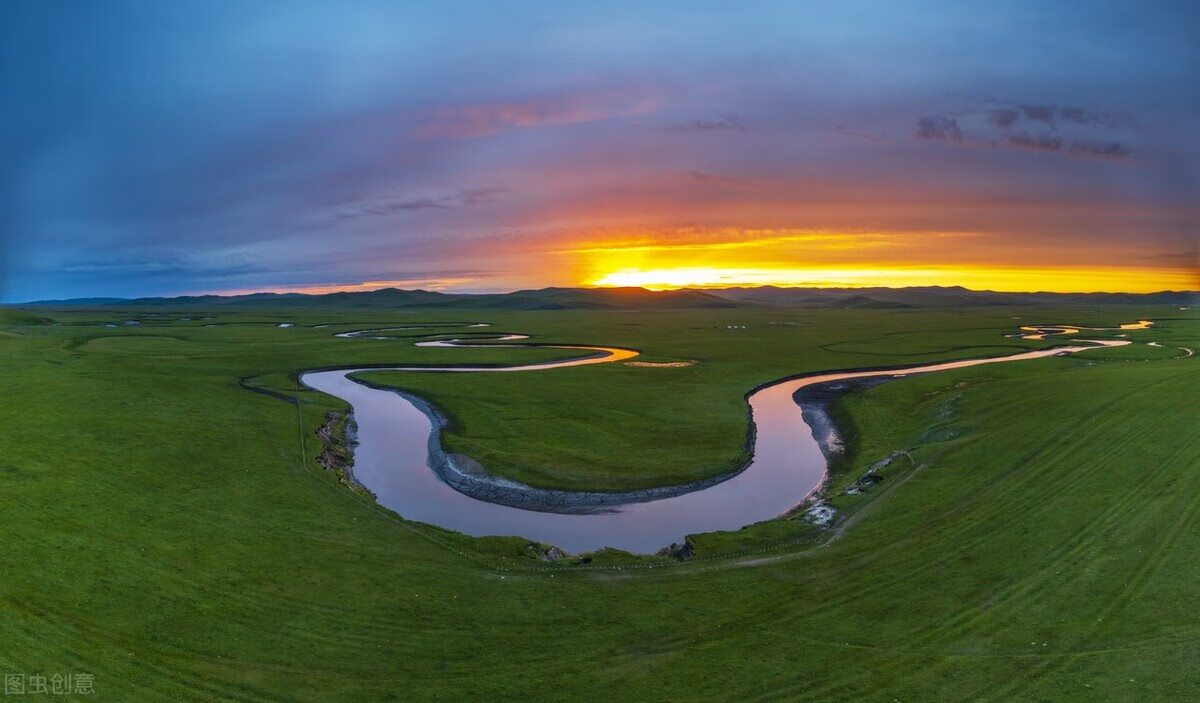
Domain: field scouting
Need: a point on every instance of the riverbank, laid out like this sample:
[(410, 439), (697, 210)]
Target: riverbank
[(469, 477), (338, 435)]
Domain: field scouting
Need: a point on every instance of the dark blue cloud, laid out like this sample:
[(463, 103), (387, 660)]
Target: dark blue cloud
[(939, 127)]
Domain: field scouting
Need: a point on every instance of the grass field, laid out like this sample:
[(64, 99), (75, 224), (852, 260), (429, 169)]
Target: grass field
[(169, 532)]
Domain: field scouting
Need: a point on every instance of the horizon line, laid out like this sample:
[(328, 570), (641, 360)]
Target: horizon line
[(356, 289)]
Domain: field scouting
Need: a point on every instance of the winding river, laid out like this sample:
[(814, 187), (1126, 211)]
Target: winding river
[(399, 445)]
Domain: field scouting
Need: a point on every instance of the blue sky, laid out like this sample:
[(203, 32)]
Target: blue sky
[(182, 147)]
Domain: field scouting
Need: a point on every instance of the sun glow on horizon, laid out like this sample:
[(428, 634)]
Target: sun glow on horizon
[(1063, 280), (788, 257)]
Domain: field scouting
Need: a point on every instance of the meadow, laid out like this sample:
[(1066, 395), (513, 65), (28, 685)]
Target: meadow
[(170, 532)]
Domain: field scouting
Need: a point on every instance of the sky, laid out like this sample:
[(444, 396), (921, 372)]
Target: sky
[(184, 147)]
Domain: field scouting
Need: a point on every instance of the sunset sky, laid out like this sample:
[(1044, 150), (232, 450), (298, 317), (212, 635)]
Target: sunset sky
[(164, 148)]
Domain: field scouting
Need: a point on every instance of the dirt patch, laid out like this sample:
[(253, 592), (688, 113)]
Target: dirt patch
[(872, 477), (661, 364), (681, 552), (821, 513)]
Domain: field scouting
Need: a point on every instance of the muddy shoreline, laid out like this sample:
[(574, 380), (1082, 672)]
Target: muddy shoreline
[(816, 405)]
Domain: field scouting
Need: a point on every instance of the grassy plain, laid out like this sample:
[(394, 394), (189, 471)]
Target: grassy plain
[(169, 532)]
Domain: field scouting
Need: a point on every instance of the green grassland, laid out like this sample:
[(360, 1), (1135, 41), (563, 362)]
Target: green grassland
[(170, 532)]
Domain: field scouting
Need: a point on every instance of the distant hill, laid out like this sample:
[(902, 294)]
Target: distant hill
[(939, 296), (385, 298), (541, 299), (863, 301), (640, 298), (598, 299), (79, 302)]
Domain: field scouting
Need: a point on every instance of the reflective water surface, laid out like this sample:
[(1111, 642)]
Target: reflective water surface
[(394, 436), (1042, 331)]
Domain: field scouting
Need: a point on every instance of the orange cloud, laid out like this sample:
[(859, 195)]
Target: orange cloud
[(725, 240)]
